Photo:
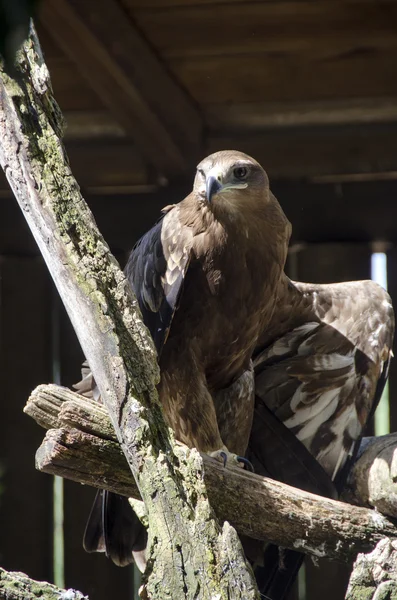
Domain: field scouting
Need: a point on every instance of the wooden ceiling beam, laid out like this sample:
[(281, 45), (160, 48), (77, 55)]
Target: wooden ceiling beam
[(129, 79), (326, 28), (290, 77), (304, 152), (254, 116), (88, 125), (150, 4)]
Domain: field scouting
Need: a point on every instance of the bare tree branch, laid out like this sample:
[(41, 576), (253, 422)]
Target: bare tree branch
[(193, 555), (85, 450)]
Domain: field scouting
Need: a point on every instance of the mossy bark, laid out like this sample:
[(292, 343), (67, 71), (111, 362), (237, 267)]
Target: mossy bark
[(190, 554), (374, 575), (18, 586)]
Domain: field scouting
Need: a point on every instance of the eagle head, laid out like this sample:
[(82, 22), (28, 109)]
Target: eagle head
[(231, 178)]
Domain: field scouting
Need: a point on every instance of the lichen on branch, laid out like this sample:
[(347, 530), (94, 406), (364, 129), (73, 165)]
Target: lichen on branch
[(18, 586)]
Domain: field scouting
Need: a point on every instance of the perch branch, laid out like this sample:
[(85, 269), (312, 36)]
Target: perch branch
[(84, 451)]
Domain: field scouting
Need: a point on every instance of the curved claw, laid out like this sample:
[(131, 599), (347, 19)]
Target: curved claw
[(224, 456), (233, 459), (247, 465)]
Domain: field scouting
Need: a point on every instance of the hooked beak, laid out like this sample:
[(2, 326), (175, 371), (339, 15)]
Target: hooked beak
[(213, 186)]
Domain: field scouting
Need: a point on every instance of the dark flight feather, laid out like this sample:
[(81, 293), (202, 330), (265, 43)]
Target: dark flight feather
[(114, 528), (156, 281)]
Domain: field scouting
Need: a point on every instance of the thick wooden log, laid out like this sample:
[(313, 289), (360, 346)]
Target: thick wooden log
[(18, 586), (189, 553), (372, 481), (258, 507)]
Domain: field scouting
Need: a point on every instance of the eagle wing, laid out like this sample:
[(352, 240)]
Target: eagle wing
[(317, 384), (323, 378), (156, 271)]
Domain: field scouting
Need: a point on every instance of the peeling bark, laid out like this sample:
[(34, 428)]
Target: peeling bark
[(374, 575), (190, 554)]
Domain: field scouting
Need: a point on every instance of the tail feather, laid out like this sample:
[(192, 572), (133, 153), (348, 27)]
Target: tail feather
[(278, 573), (94, 535), (114, 528)]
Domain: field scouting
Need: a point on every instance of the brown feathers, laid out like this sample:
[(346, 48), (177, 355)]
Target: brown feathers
[(319, 365), (205, 277)]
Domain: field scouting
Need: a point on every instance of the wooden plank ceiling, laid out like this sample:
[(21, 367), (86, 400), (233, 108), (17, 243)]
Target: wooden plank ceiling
[(148, 87)]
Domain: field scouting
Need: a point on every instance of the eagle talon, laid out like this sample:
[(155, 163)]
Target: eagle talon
[(247, 465), (224, 456), (230, 459)]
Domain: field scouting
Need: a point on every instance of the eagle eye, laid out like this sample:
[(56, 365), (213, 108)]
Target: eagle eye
[(240, 172), (201, 172)]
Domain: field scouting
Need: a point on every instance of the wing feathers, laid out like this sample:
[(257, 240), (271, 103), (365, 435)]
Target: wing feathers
[(156, 271), (316, 377)]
